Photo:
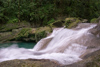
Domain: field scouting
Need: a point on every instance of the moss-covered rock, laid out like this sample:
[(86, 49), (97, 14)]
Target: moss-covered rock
[(42, 32), (71, 22), (95, 20), (58, 23), (67, 22), (21, 34), (25, 34)]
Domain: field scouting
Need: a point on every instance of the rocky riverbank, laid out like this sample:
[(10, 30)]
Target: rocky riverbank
[(24, 31), (28, 33)]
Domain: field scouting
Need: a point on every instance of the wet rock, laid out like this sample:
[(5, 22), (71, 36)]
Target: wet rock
[(96, 30), (83, 25), (84, 21), (90, 60), (28, 63)]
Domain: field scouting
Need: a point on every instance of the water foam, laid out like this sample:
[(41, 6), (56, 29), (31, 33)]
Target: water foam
[(60, 46)]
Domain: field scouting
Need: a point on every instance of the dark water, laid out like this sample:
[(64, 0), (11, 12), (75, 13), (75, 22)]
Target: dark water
[(20, 45)]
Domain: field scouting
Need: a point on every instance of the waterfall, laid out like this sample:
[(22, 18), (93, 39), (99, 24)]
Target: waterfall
[(64, 46)]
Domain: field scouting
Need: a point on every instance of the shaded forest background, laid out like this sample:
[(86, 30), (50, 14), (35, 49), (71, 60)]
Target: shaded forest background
[(44, 12)]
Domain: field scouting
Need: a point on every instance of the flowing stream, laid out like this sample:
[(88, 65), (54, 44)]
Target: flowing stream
[(64, 46)]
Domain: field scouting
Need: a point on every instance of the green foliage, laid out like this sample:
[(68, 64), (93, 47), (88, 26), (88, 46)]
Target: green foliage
[(15, 20), (51, 21), (41, 12)]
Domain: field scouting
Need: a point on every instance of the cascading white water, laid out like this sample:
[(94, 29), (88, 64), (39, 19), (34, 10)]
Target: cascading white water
[(63, 46)]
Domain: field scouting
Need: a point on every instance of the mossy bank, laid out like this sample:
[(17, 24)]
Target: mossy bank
[(24, 31)]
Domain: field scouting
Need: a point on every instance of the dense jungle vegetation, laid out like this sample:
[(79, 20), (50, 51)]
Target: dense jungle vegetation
[(44, 12)]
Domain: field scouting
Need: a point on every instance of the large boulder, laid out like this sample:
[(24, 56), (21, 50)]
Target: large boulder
[(96, 30), (90, 60)]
